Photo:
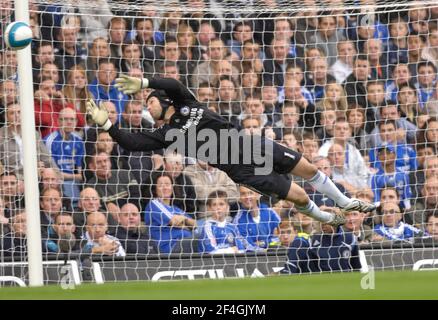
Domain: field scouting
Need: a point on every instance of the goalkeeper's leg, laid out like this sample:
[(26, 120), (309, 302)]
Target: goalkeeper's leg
[(303, 204), (325, 185)]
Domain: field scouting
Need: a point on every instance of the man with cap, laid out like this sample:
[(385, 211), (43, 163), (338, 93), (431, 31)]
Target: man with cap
[(389, 175), (185, 120)]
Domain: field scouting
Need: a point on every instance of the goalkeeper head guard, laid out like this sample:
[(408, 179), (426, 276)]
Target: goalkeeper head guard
[(165, 102)]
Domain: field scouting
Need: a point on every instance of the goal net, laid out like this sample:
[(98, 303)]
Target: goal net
[(351, 85)]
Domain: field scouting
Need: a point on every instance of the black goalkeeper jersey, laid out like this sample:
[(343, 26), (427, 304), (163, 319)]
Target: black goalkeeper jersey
[(200, 132), (190, 116)]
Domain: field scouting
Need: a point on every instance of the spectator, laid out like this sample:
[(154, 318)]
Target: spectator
[(326, 129), (117, 28), (205, 34), (51, 178), (355, 83), (208, 70), (405, 156), (349, 168), (290, 141), (102, 88), (271, 102), (190, 55), (426, 82), (318, 78), (11, 153), (405, 131), (144, 27), (48, 103), (428, 133), (342, 136), (99, 50), (409, 106), (89, 201), (308, 116), (431, 229), (132, 58), (343, 66), (415, 47), (90, 135), (8, 95), (9, 65), (430, 52), (397, 50), (277, 58), (390, 176), (254, 107), (355, 225), (289, 122), (69, 48), (11, 196), (373, 48), (63, 240), (132, 233), (94, 20), (51, 206), (184, 190), (170, 53), (334, 98), (205, 93), (207, 179), (67, 150), (327, 36), (331, 250), (251, 57), (218, 235), (287, 233), (401, 75), (76, 92), (97, 241), (228, 98), (15, 242), (257, 223), (242, 31), (250, 82), (392, 228), (50, 71), (308, 145), (427, 201), (357, 119), (170, 23), (45, 53), (170, 227), (115, 187)]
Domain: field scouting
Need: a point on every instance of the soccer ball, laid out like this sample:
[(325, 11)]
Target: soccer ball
[(18, 35)]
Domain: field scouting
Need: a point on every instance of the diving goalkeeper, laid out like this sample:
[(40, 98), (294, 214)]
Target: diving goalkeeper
[(179, 111)]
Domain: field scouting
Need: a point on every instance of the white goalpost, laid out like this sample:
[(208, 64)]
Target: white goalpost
[(31, 191)]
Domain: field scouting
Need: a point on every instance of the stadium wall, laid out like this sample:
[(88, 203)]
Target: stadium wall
[(82, 269)]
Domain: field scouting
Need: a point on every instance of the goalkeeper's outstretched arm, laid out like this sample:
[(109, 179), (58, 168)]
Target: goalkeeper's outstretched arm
[(174, 89), (135, 141)]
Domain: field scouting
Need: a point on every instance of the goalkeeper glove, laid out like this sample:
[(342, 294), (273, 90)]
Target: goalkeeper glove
[(98, 114), (130, 85)]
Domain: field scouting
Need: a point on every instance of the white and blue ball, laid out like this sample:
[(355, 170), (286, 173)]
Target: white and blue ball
[(18, 35)]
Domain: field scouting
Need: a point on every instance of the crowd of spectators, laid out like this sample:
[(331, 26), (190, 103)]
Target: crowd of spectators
[(359, 100)]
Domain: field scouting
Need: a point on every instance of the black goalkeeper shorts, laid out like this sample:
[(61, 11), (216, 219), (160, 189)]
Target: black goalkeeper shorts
[(276, 182)]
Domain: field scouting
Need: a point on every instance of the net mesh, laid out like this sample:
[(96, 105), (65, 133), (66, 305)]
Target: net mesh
[(352, 85)]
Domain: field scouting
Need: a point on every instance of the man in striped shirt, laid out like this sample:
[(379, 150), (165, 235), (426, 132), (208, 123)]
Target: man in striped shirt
[(67, 149)]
